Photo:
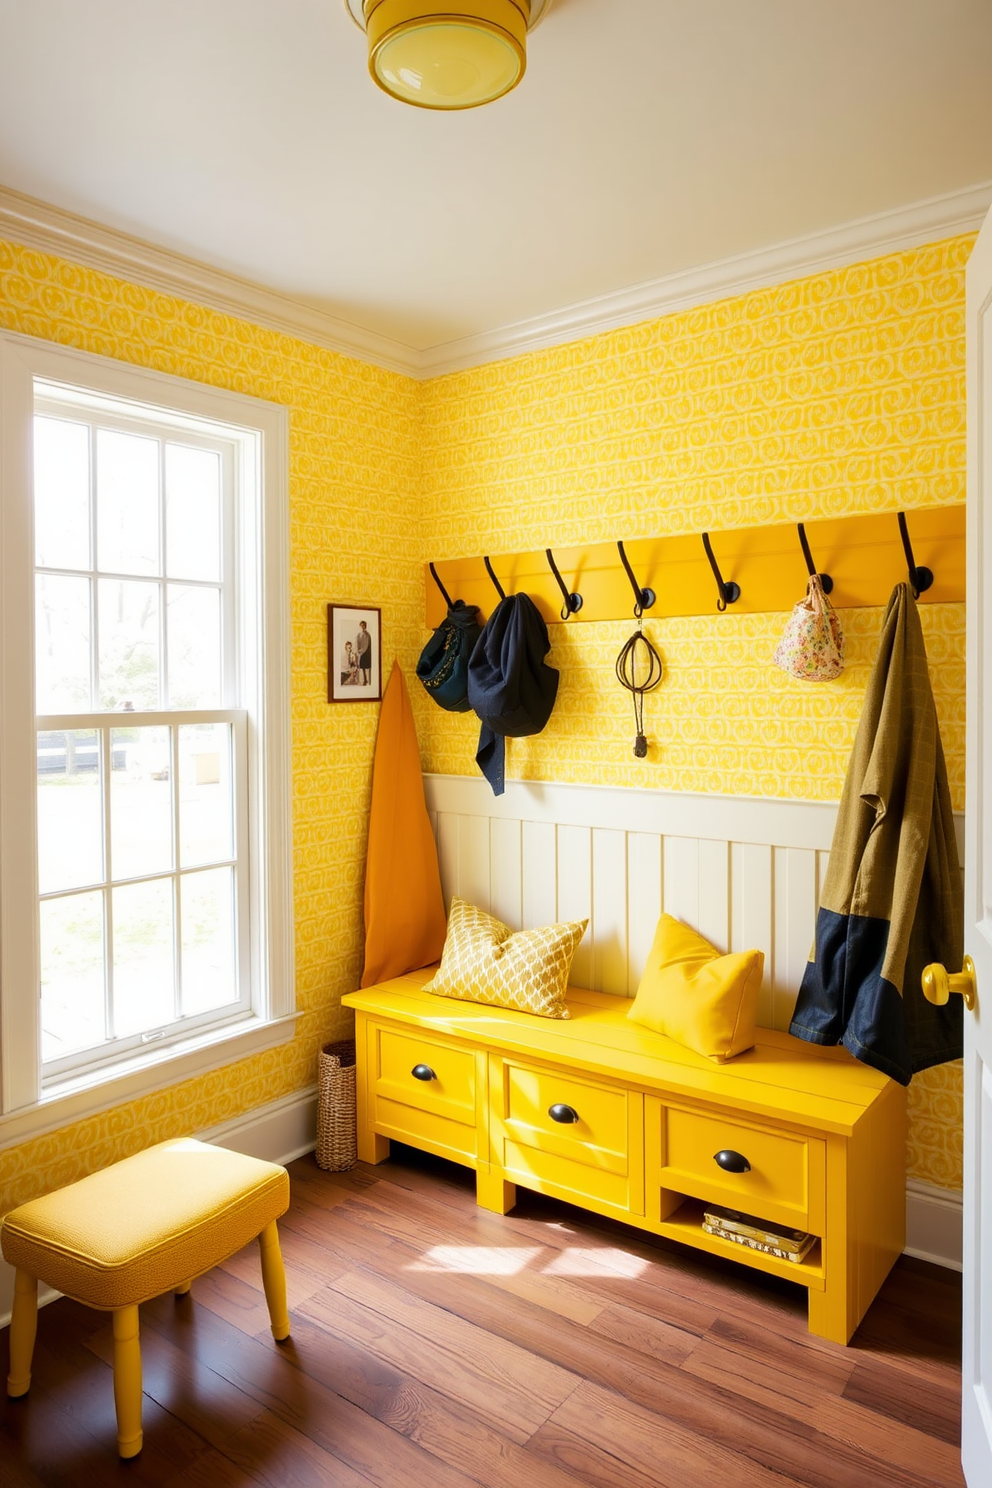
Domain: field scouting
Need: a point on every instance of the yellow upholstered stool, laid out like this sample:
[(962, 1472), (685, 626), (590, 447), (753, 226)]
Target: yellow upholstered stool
[(140, 1228)]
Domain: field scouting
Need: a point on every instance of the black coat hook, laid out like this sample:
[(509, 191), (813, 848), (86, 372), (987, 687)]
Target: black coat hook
[(920, 578), (447, 597), (572, 602), (825, 579), (643, 598), (499, 587), (728, 591)]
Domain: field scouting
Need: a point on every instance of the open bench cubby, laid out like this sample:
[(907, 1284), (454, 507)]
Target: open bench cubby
[(686, 1224)]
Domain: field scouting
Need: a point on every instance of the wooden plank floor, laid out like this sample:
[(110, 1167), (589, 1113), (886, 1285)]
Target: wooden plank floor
[(437, 1345)]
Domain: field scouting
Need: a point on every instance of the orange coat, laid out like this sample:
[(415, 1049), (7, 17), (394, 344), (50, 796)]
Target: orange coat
[(404, 911)]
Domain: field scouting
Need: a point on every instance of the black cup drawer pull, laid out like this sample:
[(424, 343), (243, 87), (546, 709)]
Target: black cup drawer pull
[(732, 1162), (423, 1072), (565, 1114)]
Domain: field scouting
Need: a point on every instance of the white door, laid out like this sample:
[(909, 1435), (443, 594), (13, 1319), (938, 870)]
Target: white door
[(976, 1434)]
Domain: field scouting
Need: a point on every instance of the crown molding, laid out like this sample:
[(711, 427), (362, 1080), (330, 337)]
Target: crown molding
[(867, 237), (35, 224)]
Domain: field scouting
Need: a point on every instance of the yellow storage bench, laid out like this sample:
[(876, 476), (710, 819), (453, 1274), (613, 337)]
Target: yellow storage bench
[(142, 1227), (604, 1113)]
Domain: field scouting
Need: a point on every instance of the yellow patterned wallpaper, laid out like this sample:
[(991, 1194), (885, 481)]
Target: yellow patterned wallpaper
[(723, 719), (842, 392), (839, 393), (355, 532)]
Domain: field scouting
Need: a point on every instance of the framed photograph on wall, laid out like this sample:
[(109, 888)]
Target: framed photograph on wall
[(354, 654)]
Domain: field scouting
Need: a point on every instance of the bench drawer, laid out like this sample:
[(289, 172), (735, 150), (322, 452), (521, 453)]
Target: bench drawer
[(592, 1152), (424, 1091), (784, 1180)]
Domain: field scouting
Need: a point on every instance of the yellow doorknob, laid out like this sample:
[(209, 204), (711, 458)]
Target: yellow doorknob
[(938, 984)]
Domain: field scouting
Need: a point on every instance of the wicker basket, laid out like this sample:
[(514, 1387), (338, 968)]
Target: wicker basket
[(337, 1129)]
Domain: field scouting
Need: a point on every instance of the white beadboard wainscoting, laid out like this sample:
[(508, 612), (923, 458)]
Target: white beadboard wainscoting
[(743, 871)]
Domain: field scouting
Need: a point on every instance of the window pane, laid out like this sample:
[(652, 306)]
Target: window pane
[(194, 647), (72, 974), (62, 644), (206, 800), (192, 512), (140, 801), (208, 940), (136, 820), (70, 810), (128, 614), (127, 512), (61, 493), (144, 976)]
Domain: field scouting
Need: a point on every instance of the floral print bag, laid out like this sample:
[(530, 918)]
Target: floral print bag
[(812, 647)]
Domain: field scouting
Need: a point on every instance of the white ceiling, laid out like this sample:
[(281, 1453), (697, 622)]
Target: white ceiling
[(648, 137)]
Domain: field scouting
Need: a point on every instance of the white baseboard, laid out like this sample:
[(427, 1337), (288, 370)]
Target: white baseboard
[(286, 1129), (934, 1228), (279, 1132)]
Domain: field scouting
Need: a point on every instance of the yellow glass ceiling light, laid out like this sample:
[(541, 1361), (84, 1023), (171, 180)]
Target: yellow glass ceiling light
[(447, 54)]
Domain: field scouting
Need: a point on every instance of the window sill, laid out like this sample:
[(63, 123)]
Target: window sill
[(73, 1100)]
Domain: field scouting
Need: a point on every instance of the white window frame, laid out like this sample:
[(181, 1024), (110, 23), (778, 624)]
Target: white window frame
[(260, 433)]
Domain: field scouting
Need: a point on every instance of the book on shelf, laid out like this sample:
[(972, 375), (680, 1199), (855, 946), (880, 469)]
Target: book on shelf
[(757, 1234), (793, 1253)]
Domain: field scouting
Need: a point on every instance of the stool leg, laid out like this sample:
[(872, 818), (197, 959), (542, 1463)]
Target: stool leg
[(127, 1381), (182, 1290), (23, 1327), (274, 1281)]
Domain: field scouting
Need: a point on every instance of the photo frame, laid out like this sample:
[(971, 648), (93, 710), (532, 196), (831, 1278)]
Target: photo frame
[(354, 654)]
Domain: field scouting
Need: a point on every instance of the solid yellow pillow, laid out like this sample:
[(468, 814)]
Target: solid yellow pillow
[(484, 961), (696, 996)]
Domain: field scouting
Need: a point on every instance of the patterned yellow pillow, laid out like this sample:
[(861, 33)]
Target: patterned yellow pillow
[(484, 961)]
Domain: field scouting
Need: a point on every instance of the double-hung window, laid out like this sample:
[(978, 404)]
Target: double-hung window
[(144, 855)]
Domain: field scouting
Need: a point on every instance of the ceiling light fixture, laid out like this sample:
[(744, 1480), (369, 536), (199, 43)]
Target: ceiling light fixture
[(447, 54)]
